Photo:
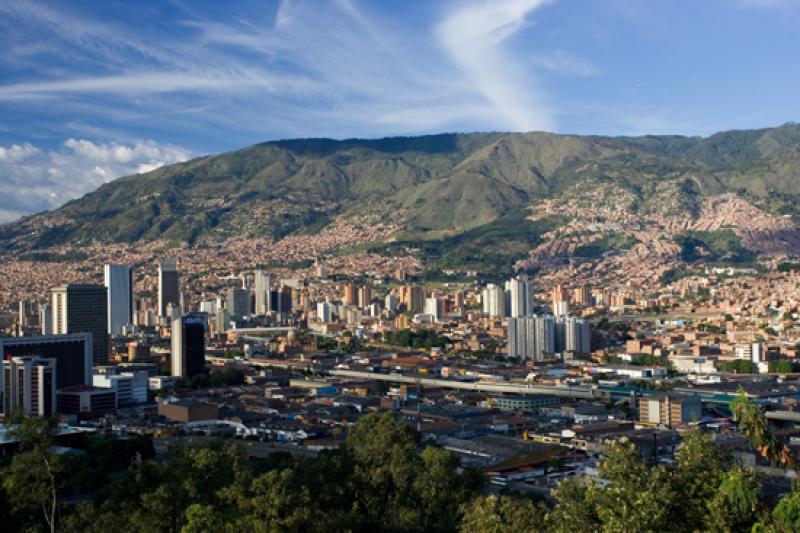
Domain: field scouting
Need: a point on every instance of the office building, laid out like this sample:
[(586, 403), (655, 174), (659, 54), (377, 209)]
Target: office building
[(494, 301), (263, 292), (520, 296), (130, 387), (28, 386), (188, 345), (119, 291), (85, 401), (83, 309), (168, 291), (239, 303), (72, 353)]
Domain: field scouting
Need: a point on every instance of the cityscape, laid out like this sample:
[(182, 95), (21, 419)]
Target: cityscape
[(248, 282)]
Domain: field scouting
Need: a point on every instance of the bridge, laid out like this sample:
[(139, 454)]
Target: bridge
[(566, 392)]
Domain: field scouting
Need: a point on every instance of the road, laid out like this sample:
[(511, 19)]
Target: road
[(566, 392)]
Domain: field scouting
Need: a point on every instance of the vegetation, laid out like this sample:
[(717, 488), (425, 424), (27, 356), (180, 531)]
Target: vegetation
[(462, 199), (739, 366), (381, 479), (781, 366), (608, 243), (720, 246), (417, 339)]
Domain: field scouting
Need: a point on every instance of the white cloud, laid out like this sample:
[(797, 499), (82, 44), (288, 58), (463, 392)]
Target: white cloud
[(33, 179), (473, 35), (339, 68)]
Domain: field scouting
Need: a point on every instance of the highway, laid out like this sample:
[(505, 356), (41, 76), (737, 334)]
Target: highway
[(566, 392)]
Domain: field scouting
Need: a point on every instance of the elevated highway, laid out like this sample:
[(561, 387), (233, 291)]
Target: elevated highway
[(482, 386)]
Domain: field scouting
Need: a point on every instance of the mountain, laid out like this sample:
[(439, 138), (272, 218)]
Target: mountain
[(454, 196)]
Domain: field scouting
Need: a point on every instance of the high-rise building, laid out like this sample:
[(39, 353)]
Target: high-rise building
[(434, 306), (577, 335), (72, 353), (390, 302), (83, 309), (582, 295), (520, 296), (364, 296), (28, 385), (168, 290), (263, 290), (119, 286), (532, 337), (494, 301), (46, 319), (559, 294), (324, 311), (239, 303), (413, 297), (188, 345), (350, 294)]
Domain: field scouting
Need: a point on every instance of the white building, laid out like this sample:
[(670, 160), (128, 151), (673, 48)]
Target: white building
[(494, 301), (119, 285), (324, 312)]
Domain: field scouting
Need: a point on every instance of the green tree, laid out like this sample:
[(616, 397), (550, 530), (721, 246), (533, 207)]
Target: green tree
[(780, 366), (735, 506), (33, 479), (501, 514)]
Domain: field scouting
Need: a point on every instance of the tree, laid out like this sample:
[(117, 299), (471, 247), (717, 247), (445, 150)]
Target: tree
[(33, 478), (780, 366), (735, 506), (383, 452), (501, 514), (753, 424)]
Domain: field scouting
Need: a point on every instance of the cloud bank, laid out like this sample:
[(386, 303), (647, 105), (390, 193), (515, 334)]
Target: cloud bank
[(33, 179)]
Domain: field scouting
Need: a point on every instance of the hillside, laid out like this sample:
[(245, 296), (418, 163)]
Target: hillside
[(458, 197)]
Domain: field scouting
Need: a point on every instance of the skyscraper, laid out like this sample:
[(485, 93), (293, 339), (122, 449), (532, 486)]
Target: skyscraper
[(350, 294), (364, 296), (83, 309), (531, 337), (188, 345), (238, 303), (167, 286), (263, 284), (494, 301), (560, 300), (577, 335), (520, 296), (119, 286)]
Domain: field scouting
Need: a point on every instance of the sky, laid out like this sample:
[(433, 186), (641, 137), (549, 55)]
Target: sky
[(93, 90)]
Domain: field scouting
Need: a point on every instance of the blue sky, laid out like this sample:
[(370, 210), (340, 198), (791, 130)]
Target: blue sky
[(93, 90)]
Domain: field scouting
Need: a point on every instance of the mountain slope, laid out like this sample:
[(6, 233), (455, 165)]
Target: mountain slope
[(430, 186)]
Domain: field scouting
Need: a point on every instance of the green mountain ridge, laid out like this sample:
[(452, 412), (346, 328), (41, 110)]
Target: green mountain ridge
[(435, 185)]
